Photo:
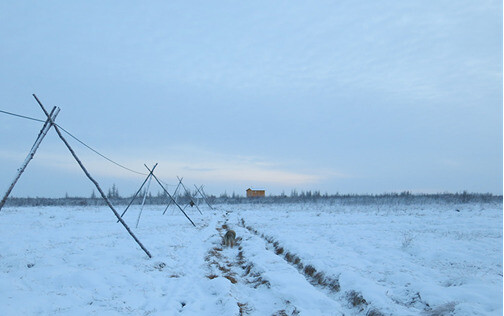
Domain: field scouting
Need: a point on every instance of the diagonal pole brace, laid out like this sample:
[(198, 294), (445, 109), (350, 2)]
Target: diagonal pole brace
[(166, 191), (145, 196), (47, 125), (189, 194), (175, 195), (204, 198), (137, 192), (93, 180)]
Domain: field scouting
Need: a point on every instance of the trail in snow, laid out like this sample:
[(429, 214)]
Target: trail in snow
[(261, 282)]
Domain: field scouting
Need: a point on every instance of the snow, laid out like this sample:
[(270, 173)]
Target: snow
[(401, 259)]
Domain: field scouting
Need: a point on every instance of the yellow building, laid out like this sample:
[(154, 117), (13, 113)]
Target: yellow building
[(255, 193)]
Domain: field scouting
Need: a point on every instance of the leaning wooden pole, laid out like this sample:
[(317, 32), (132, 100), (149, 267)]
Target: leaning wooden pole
[(137, 192), (40, 137), (45, 129), (204, 198), (143, 201), (190, 196), (169, 203), (166, 191), (93, 180), (204, 194)]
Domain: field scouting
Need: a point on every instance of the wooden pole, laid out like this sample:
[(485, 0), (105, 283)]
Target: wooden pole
[(93, 180), (203, 191), (159, 182), (169, 203), (47, 125), (204, 194), (137, 192), (204, 198), (189, 193), (143, 201)]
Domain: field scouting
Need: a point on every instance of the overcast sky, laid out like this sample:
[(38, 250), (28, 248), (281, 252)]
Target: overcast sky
[(336, 96)]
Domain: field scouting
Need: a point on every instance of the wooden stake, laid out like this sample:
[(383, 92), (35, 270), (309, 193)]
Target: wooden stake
[(47, 125), (93, 180)]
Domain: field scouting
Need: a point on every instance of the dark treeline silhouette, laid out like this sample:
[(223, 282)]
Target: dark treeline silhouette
[(405, 197), (295, 197)]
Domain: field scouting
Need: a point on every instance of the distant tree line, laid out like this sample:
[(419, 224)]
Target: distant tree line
[(405, 197), (162, 198)]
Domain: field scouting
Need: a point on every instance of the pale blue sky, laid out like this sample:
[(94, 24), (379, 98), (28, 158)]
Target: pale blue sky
[(336, 96)]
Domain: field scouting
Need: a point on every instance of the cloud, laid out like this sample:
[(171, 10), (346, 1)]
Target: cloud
[(190, 162), (246, 173), (207, 166)]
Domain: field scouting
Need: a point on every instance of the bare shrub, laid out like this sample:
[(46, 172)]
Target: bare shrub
[(289, 257), (223, 269), (279, 250), (244, 309), (213, 253), (230, 278), (333, 284), (309, 270), (320, 279), (248, 268), (260, 281), (240, 257), (356, 299), (300, 265)]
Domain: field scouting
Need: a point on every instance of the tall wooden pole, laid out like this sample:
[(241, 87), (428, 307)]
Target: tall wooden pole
[(47, 125), (93, 180)]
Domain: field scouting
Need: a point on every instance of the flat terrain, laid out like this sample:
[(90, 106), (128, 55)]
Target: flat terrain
[(291, 259)]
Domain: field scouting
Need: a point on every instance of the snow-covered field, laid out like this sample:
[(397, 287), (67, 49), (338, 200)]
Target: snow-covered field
[(291, 259)]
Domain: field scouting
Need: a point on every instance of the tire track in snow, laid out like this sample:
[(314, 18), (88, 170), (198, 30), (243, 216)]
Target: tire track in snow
[(231, 264), (261, 282), (316, 278), (349, 297)]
